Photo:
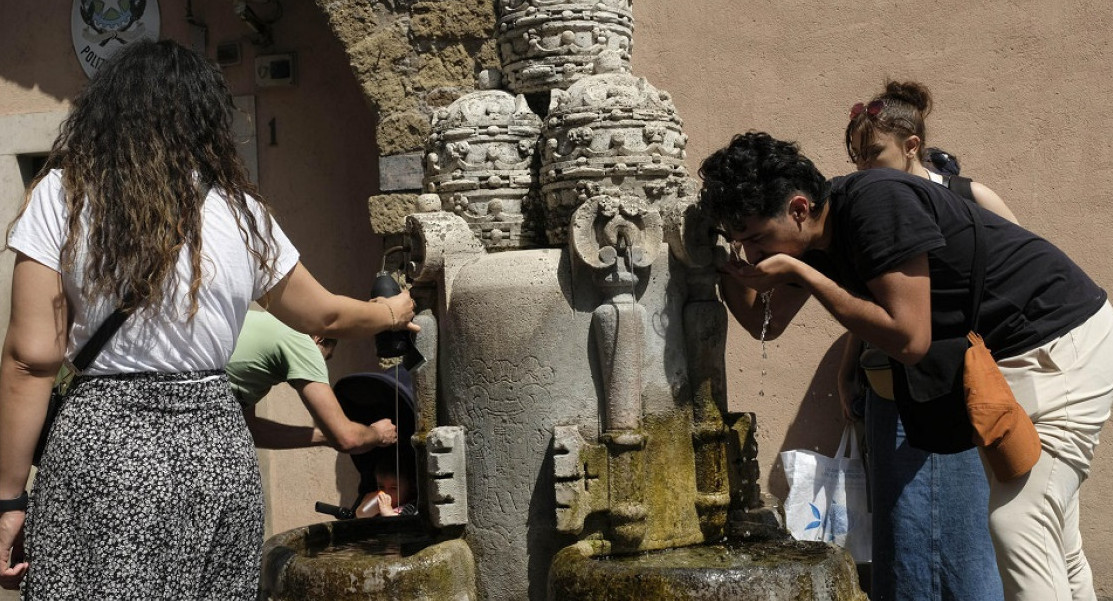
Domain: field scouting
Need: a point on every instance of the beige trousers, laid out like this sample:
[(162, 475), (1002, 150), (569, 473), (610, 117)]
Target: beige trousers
[(1066, 386)]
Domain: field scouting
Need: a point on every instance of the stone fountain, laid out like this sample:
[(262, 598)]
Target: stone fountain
[(572, 430)]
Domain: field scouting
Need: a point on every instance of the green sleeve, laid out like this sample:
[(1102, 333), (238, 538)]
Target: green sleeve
[(269, 352), (304, 360)]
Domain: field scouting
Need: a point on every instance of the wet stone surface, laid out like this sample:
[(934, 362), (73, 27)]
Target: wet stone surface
[(770, 571)]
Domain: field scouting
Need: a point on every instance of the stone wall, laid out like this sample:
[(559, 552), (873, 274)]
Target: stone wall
[(411, 58)]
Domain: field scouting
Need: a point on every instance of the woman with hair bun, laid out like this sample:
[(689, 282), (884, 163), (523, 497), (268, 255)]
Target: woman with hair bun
[(889, 131), (930, 523)]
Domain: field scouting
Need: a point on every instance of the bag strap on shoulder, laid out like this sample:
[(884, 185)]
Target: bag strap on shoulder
[(99, 338), (960, 185), (978, 266), (93, 347), (114, 322)]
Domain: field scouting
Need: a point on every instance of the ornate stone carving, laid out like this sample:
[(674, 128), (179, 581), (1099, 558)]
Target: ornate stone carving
[(448, 478), (612, 129), (547, 44), (579, 478), (480, 159), (689, 232), (435, 238), (608, 226)]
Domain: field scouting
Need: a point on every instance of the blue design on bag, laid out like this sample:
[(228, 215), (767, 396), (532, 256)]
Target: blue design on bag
[(818, 518), (838, 522)]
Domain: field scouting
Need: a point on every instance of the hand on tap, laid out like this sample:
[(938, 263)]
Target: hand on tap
[(386, 433), (401, 307)]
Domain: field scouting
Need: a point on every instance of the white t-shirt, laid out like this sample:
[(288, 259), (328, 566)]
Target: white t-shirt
[(169, 342)]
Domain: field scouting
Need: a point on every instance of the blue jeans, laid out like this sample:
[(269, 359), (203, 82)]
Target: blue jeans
[(930, 518)]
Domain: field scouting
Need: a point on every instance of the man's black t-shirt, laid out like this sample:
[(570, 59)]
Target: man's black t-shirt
[(880, 218)]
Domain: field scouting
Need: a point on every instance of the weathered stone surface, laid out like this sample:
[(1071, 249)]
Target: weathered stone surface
[(452, 65), (448, 485), (411, 57), (611, 134), (487, 55), (351, 560), (441, 97), (402, 132), (388, 212), (350, 20), (382, 65), (400, 172), (770, 571), (453, 19)]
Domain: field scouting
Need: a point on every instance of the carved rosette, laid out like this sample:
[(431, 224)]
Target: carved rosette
[(612, 129), (550, 44), (478, 160), (607, 226)]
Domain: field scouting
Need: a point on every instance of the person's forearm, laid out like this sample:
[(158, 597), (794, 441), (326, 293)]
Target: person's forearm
[(742, 303), (746, 306), (346, 317), (23, 400), (864, 319), (848, 364), (300, 302), (274, 435), (343, 317), (343, 434), (347, 436)]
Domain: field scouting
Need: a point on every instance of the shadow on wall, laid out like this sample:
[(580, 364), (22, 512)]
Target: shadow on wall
[(818, 422), (347, 482), (28, 65)]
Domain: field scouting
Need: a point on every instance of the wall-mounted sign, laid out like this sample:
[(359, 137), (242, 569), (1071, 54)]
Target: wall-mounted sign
[(101, 27)]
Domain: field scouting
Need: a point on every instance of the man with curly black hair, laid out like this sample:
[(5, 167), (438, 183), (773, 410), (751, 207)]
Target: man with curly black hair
[(888, 254)]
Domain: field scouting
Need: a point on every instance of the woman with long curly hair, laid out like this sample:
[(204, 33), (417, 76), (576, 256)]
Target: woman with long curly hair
[(148, 487)]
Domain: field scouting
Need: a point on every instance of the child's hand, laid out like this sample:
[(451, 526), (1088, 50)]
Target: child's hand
[(385, 506)]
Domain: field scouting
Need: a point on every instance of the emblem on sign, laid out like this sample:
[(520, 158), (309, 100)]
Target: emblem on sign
[(100, 28)]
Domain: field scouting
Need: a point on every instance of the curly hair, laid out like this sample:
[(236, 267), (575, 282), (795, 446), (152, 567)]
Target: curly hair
[(904, 107), (149, 134), (754, 176)]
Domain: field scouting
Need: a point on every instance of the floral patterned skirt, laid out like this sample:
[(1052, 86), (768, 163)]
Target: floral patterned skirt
[(148, 489)]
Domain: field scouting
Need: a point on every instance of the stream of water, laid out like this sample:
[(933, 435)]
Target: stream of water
[(767, 305)]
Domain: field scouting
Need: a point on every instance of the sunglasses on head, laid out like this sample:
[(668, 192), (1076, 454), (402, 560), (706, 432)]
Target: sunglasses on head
[(872, 109)]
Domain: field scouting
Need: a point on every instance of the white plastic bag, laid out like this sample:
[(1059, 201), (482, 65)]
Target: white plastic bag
[(827, 497)]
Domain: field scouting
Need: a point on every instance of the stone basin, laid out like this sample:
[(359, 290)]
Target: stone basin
[(373, 558), (764, 571)]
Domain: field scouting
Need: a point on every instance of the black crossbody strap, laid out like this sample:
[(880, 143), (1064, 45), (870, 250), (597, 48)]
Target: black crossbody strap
[(93, 347), (962, 186), (978, 266), (99, 339)]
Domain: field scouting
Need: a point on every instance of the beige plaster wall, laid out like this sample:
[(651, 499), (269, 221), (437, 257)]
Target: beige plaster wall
[(317, 176), (1022, 91)]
